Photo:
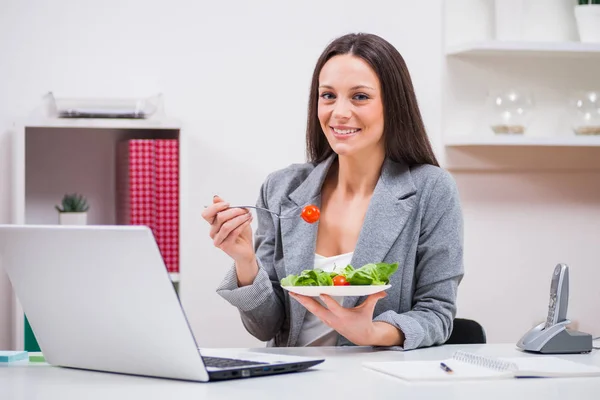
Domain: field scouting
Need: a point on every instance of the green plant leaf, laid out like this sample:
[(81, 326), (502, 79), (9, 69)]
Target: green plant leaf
[(73, 202)]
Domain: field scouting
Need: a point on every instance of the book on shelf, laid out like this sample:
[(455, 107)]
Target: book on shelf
[(148, 191)]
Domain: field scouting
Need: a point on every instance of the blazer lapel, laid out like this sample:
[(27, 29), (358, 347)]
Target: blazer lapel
[(299, 238), (388, 211)]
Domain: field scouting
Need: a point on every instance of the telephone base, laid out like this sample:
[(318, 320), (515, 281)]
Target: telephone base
[(556, 339)]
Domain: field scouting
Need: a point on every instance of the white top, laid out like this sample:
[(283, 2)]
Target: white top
[(314, 332)]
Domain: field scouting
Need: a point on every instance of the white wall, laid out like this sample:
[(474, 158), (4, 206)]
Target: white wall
[(519, 225), (236, 73)]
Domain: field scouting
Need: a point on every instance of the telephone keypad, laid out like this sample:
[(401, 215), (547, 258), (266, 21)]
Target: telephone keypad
[(551, 310)]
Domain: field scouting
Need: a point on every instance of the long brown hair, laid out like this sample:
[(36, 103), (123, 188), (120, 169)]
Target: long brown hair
[(404, 132)]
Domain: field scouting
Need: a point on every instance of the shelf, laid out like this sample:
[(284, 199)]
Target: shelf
[(103, 123), (552, 49), (508, 140)]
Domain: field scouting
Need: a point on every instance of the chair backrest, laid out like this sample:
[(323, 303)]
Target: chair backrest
[(466, 331)]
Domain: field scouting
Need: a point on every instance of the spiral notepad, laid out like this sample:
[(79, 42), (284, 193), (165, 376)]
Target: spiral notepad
[(465, 365), (484, 361)]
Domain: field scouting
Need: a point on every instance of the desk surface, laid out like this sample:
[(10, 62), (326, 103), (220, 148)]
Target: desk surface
[(341, 376)]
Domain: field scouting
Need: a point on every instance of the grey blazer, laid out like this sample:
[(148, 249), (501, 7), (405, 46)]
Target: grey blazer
[(414, 218)]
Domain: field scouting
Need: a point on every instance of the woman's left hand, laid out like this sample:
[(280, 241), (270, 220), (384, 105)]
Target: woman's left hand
[(355, 324)]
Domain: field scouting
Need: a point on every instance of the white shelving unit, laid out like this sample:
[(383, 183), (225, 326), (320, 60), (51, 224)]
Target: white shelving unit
[(100, 123), (536, 49), (550, 71), (53, 156), (515, 140)]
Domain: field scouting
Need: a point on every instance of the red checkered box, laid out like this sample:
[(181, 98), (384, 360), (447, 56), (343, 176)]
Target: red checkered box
[(167, 201), (148, 191)]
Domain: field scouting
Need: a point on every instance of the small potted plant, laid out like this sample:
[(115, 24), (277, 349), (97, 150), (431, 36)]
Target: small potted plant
[(74, 210), (587, 15)]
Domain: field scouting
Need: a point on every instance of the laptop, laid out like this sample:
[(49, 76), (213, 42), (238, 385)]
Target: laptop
[(99, 297)]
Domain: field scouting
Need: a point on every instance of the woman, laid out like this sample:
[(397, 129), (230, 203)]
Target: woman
[(383, 198)]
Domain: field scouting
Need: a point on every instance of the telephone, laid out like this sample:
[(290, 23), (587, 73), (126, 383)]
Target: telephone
[(552, 335), (559, 296)]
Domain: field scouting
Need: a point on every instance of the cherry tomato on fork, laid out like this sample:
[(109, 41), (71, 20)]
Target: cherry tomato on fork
[(340, 280), (311, 213)]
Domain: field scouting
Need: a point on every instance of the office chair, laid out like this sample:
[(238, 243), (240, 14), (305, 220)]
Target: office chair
[(466, 331)]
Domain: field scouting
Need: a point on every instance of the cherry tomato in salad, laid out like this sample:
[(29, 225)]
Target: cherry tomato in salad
[(340, 280), (311, 213)]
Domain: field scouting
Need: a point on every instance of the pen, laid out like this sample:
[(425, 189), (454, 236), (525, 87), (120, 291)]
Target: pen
[(446, 368)]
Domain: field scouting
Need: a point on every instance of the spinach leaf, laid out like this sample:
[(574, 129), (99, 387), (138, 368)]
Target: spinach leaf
[(289, 280), (308, 277), (372, 274)]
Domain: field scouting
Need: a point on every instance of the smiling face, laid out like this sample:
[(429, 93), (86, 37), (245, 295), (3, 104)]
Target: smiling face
[(350, 107)]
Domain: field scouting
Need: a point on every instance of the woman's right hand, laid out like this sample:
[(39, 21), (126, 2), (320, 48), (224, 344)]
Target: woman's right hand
[(231, 232)]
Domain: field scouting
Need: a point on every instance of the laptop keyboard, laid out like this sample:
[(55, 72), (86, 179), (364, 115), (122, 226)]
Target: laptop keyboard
[(219, 362)]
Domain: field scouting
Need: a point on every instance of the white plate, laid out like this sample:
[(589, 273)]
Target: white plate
[(351, 290)]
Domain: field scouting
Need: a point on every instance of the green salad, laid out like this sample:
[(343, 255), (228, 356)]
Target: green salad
[(368, 274)]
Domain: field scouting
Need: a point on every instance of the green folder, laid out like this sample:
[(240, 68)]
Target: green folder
[(31, 343)]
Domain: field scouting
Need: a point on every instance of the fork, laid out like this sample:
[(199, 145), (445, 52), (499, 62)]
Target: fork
[(264, 209), (267, 210)]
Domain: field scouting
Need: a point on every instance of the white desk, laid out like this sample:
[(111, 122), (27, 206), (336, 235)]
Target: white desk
[(341, 376)]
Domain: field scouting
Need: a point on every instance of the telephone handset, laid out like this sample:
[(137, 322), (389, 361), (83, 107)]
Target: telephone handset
[(552, 336), (559, 296)]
